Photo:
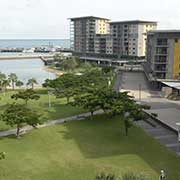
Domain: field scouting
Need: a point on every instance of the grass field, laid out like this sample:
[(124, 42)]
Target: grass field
[(80, 150), (59, 107)]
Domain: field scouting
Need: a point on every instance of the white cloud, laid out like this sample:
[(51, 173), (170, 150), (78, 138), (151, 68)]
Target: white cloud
[(48, 18)]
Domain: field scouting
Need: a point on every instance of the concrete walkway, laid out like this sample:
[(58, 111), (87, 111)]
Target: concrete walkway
[(162, 134), (25, 129), (164, 129)]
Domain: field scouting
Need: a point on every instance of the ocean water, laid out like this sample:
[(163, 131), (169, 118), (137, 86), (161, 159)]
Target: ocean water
[(29, 43), (26, 69)]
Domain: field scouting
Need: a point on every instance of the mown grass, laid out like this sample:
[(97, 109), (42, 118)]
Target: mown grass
[(59, 108), (80, 150)]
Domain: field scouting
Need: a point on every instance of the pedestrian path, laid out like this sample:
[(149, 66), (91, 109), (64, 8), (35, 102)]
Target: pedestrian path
[(161, 133), (25, 129)]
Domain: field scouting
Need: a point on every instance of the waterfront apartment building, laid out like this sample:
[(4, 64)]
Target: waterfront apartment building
[(128, 38), (98, 36), (163, 54), (88, 34)]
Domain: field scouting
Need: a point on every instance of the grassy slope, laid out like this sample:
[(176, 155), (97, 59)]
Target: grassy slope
[(59, 107), (80, 150)]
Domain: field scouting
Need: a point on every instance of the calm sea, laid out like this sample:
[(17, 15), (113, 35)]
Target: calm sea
[(29, 43), (32, 68), (26, 69)]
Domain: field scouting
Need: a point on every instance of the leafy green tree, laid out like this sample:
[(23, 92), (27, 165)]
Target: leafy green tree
[(5, 84), (13, 78), (2, 155), (2, 79), (69, 64), (19, 84), (64, 86), (26, 95), (129, 111), (133, 176), (31, 82), (18, 115), (104, 176), (88, 101)]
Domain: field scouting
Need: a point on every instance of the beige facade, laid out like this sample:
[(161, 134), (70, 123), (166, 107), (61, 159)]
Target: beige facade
[(102, 26), (100, 36), (129, 37), (163, 54)]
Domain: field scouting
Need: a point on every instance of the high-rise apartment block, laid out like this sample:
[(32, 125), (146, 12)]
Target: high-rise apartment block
[(86, 34), (98, 36), (163, 54), (129, 37)]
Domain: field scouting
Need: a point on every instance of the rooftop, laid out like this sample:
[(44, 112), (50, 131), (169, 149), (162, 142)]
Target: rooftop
[(133, 22), (165, 31), (88, 17)]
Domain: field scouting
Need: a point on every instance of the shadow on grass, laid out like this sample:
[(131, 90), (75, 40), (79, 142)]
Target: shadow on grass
[(105, 137), (59, 110)]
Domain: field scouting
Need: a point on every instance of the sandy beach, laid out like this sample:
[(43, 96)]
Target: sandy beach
[(51, 70)]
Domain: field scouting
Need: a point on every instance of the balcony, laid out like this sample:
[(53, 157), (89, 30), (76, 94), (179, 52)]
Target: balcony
[(162, 42)]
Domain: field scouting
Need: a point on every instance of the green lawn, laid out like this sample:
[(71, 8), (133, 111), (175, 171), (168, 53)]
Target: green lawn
[(59, 107), (80, 150)]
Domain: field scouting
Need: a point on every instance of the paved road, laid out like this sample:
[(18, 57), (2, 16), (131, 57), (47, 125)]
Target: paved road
[(118, 82), (168, 111), (165, 130)]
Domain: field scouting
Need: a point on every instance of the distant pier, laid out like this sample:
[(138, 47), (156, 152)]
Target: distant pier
[(26, 57)]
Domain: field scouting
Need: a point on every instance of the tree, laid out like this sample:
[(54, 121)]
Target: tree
[(18, 115), (104, 176), (133, 176), (129, 111), (2, 79), (26, 95), (88, 101), (19, 84), (2, 155), (64, 86), (31, 82), (69, 64), (13, 78)]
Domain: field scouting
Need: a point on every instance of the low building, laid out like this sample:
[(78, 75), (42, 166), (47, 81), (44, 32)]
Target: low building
[(163, 54)]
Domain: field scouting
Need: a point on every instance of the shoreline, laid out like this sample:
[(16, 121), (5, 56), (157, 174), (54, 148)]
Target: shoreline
[(51, 70)]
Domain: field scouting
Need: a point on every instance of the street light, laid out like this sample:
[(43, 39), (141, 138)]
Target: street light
[(140, 88), (178, 125), (49, 98)]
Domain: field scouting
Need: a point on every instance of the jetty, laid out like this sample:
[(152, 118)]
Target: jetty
[(22, 57)]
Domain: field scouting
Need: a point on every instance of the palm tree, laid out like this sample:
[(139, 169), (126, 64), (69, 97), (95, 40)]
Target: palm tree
[(13, 79), (2, 78), (31, 82), (5, 84), (19, 84)]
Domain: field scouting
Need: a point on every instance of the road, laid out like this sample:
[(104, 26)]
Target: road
[(165, 129)]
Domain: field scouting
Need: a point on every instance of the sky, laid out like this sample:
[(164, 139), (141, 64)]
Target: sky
[(48, 19)]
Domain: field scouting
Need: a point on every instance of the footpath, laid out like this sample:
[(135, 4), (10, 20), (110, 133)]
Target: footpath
[(25, 129)]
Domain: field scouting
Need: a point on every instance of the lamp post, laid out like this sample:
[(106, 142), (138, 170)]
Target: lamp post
[(178, 125), (140, 88), (49, 98)]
